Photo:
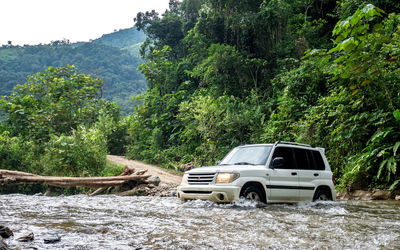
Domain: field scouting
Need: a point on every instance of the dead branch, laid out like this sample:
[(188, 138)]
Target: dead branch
[(10, 172)]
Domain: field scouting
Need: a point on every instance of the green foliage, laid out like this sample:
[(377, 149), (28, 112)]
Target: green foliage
[(209, 71), (212, 126), (17, 154), (223, 71), (55, 124), (236, 72), (52, 103), (346, 8), (112, 169), (81, 154), (359, 117), (115, 131)]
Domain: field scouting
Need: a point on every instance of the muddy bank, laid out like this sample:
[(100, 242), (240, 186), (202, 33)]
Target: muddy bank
[(366, 195), (166, 176)]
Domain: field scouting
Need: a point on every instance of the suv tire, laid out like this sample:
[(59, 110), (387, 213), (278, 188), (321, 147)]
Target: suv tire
[(252, 193), (322, 195)]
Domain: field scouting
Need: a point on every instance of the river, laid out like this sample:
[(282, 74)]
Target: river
[(112, 222)]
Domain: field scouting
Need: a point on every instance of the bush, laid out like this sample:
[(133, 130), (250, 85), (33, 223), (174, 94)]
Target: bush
[(115, 133), (83, 153), (17, 154)]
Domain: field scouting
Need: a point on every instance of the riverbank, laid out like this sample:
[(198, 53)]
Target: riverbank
[(166, 176), (137, 179), (366, 195), (169, 180)]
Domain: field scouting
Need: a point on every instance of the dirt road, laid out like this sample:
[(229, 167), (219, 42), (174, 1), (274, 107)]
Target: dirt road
[(165, 176)]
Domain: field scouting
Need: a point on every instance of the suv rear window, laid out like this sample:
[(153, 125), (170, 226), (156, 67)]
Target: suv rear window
[(302, 160), (308, 159), (319, 162)]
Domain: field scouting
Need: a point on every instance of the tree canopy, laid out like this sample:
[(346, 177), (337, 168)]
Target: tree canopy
[(224, 73)]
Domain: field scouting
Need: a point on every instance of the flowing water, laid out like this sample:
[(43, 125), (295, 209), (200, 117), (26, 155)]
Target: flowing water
[(112, 222)]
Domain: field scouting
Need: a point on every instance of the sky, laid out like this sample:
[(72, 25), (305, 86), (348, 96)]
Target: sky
[(42, 21)]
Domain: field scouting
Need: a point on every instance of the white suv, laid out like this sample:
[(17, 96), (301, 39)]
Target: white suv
[(269, 173)]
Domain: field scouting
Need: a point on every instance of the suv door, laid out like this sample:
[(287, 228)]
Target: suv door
[(308, 173), (283, 181)]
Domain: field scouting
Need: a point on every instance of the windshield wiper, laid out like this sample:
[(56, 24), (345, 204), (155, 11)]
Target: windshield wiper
[(243, 163)]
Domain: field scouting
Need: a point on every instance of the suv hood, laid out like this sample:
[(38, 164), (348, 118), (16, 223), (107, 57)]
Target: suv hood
[(224, 168)]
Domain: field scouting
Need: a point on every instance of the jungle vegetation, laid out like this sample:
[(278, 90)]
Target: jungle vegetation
[(221, 73), (224, 73)]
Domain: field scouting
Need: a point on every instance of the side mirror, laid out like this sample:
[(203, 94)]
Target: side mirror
[(218, 162), (277, 162)]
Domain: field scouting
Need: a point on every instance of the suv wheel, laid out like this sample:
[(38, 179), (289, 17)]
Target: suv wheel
[(252, 193), (322, 195)]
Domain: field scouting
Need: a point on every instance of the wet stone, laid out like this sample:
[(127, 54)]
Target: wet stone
[(26, 237), (380, 195), (155, 180), (5, 232), (3, 245), (52, 239)]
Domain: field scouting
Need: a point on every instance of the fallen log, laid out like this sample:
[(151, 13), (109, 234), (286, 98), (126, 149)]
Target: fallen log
[(128, 175), (106, 184), (127, 171), (98, 191), (141, 172), (127, 180), (81, 180)]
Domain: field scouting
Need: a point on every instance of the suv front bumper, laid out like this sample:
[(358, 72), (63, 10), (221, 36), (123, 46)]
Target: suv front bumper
[(215, 193)]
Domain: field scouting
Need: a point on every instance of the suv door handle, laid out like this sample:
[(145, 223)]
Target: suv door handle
[(294, 173), (316, 174)]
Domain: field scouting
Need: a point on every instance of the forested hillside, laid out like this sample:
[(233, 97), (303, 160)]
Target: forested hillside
[(122, 38), (225, 73), (106, 58)]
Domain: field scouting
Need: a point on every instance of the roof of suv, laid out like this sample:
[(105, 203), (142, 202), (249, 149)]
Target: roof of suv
[(300, 145)]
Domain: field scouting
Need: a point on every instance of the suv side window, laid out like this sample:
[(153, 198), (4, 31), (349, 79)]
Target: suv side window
[(319, 162), (311, 161), (302, 161), (287, 155)]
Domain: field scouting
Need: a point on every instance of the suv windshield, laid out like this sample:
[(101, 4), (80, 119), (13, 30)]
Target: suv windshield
[(247, 155)]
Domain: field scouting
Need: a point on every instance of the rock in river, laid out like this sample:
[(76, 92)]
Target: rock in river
[(5, 232), (52, 239), (3, 245), (26, 237), (155, 180)]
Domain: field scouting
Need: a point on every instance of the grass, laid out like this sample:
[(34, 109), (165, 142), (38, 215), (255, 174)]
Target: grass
[(112, 169)]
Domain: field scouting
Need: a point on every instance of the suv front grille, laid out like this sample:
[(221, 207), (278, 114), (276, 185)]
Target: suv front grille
[(201, 179)]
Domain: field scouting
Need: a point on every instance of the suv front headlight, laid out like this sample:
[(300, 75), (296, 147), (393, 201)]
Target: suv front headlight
[(226, 177), (185, 178)]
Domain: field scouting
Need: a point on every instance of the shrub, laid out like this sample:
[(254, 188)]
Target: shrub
[(17, 154), (81, 154)]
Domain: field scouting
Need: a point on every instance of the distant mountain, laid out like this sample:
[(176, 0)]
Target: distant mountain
[(113, 58), (122, 38)]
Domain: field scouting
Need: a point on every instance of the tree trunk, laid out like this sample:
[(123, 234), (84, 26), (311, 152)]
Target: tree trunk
[(128, 174)]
